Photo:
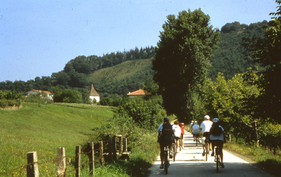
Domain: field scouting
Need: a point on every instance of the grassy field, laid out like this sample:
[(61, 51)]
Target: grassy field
[(44, 129)]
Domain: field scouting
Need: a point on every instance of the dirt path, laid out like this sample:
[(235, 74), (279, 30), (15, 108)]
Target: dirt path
[(190, 162)]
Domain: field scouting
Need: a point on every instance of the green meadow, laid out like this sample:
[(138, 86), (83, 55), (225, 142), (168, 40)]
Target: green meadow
[(44, 128)]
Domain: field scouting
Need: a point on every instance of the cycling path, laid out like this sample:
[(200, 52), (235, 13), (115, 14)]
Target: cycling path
[(190, 162)]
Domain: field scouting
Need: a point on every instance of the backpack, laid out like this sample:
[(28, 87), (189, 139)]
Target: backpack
[(167, 135), (167, 130), (216, 130)]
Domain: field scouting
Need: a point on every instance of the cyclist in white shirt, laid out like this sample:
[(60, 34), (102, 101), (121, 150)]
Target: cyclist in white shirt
[(206, 126), (177, 132)]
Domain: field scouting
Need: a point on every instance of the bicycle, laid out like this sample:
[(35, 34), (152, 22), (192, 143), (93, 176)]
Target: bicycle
[(181, 144), (174, 151), (166, 159), (217, 158), (196, 138), (207, 147)]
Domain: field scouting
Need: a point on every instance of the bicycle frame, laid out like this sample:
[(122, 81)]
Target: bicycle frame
[(217, 158), (207, 148), (166, 159)]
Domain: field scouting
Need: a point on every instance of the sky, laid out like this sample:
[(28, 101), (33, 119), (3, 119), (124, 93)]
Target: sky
[(37, 38)]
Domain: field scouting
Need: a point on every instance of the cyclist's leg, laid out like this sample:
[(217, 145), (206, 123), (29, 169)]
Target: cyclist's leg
[(178, 142), (182, 145), (221, 152), (161, 153), (213, 144)]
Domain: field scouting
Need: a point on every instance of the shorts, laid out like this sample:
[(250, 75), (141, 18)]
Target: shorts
[(206, 134), (177, 138), (217, 143)]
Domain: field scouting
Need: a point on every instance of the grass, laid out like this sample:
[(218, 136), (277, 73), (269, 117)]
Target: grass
[(261, 156), (44, 129)]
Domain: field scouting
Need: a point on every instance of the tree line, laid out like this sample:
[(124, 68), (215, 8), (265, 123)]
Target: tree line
[(228, 58)]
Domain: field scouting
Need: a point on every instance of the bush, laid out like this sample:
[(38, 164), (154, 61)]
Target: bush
[(142, 144), (8, 103)]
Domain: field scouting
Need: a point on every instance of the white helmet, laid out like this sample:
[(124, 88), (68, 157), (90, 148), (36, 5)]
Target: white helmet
[(195, 122), (216, 120), (206, 117)]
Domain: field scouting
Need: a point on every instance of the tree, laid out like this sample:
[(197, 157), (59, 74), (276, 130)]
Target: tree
[(233, 102), (266, 51), (182, 58)]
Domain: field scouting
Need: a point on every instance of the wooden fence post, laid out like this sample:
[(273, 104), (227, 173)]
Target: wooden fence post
[(91, 157), (120, 143), (61, 162), (101, 152), (110, 148), (125, 144), (32, 169), (114, 148), (78, 160)]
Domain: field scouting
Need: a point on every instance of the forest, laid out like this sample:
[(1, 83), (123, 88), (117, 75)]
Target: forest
[(79, 73)]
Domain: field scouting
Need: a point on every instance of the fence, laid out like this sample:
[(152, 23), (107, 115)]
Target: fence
[(32, 166)]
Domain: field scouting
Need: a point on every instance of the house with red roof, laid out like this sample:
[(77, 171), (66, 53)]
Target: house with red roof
[(138, 93), (36, 92)]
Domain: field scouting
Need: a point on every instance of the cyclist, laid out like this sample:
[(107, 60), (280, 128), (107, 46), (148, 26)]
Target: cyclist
[(165, 138), (182, 133), (206, 126), (195, 130), (217, 138), (191, 124), (177, 132)]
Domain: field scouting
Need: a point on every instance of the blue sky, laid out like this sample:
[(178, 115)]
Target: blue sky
[(37, 38)]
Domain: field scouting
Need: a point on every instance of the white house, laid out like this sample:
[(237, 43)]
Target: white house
[(35, 92), (94, 94)]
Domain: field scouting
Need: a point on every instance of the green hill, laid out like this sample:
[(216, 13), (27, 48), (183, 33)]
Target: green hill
[(44, 129), (122, 78)]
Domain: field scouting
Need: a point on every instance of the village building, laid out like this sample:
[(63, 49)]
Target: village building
[(94, 95), (138, 93), (36, 92)]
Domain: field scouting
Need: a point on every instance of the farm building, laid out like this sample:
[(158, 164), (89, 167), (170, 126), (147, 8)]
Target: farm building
[(94, 94), (137, 93), (36, 92)]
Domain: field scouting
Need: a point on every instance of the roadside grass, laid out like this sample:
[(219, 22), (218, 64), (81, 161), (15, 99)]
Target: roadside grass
[(264, 158), (44, 129)]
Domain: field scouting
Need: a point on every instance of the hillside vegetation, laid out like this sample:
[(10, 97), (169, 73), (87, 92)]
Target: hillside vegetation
[(122, 78)]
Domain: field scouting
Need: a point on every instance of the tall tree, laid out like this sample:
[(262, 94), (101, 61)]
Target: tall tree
[(182, 58), (266, 51)]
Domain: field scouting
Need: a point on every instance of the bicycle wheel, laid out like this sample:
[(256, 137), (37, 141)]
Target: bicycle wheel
[(180, 144), (166, 162), (217, 160), (207, 150), (174, 152)]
